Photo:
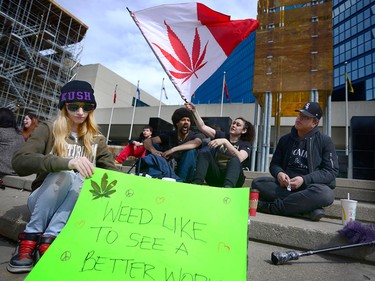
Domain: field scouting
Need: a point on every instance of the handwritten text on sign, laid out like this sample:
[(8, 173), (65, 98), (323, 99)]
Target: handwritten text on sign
[(126, 227)]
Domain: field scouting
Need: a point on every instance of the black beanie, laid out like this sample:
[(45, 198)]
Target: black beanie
[(76, 91), (179, 114)]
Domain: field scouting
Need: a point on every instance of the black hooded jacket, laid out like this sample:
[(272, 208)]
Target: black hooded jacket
[(321, 155)]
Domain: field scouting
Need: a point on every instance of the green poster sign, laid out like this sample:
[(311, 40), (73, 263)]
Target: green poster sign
[(126, 227)]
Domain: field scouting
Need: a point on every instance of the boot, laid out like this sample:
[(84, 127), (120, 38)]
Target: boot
[(44, 243), (24, 255)]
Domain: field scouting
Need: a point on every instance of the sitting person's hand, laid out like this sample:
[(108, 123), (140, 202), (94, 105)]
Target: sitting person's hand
[(137, 143), (296, 182), (283, 179), (217, 143), (156, 152), (82, 165), (167, 154)]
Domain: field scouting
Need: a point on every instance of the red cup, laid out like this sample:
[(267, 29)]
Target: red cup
[(253, 204)]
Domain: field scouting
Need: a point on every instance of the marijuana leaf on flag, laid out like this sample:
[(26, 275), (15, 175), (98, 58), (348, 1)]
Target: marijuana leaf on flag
[(191, 41)]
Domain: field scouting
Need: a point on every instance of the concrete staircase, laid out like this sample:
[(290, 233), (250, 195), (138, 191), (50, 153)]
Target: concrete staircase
[(293, 233), (303, 234)]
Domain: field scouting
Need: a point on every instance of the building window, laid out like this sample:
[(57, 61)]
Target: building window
[(314, 19)]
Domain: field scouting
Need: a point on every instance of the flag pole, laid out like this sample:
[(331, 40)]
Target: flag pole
[(222, 96), (161, 95), (135, 105), (110, 119), (346, 114)]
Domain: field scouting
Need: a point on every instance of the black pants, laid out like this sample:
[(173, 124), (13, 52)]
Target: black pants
[(283, 202), (208, 170)]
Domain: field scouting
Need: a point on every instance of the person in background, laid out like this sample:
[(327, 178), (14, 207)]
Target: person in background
[(30, 122), (221, 164), (181, 144), (10, 140), (135, 147), (62, 154), (304, 168)]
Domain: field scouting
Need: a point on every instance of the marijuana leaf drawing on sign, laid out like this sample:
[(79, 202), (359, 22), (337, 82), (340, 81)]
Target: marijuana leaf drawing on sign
[(184, 65), (105, 190)]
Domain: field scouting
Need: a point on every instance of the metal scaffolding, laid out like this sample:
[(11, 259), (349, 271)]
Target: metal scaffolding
[(40, 47)]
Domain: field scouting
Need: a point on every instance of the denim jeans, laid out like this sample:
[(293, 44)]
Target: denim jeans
[(52, 202), (186, 165)]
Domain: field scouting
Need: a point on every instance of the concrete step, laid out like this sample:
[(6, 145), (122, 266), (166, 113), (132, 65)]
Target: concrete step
[(295, 233), (365, 211), (360, 190), (23, 183), (305, 235), (13, 212)]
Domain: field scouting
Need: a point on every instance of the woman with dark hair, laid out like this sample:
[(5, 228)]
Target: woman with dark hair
[(30, 122), (10, 140), (221, 164)]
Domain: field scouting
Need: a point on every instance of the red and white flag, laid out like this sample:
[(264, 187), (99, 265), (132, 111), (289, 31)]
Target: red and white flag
[(191, 40)]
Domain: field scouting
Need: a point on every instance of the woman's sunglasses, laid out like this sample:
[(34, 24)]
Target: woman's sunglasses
[(87, 107)]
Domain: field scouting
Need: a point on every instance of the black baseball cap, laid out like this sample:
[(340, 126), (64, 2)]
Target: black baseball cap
[(311, 109)]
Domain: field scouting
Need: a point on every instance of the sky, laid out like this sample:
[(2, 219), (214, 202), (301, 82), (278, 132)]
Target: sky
[(114, 40)]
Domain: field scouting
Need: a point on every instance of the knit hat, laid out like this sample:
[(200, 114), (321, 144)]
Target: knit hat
[(311, 109), (76, 91), (179, 114)]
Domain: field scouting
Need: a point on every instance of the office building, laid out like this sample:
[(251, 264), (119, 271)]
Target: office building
[(354, 48)]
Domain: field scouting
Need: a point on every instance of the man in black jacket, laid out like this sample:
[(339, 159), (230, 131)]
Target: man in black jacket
[(304, 169)]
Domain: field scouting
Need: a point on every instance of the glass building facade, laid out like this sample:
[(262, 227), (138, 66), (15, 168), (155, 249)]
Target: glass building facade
[(354, 47)]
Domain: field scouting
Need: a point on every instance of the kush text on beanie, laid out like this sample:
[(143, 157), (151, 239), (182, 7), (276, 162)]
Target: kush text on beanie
[(76, 91)]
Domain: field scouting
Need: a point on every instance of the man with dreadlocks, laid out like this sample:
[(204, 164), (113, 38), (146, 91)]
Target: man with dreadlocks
[(181, 144)]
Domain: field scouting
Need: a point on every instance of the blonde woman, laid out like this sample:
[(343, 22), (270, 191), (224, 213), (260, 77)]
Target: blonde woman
[(62, 154)]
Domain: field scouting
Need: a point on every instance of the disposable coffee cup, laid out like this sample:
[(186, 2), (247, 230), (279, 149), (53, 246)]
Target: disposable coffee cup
[(253, 204), (348, 210)]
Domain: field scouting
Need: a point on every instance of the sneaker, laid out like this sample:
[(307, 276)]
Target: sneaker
[(44, 243), (24, 255), (316, 214)]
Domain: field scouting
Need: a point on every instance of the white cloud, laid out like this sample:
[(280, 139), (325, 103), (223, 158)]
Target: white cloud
[(114, 40)]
